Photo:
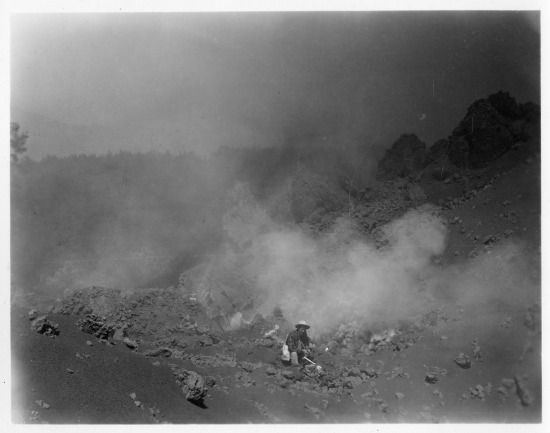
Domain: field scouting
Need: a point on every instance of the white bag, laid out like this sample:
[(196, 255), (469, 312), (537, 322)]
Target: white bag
[(286, 354)]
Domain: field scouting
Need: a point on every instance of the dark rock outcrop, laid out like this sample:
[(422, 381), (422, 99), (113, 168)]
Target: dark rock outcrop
[(406, 156), (44, 326), (490, 128), (97, 326)]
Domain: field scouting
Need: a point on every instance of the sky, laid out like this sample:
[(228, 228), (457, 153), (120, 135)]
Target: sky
[(97, 83)]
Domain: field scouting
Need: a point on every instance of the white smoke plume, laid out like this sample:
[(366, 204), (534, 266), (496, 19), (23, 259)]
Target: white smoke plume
[(342, 275)]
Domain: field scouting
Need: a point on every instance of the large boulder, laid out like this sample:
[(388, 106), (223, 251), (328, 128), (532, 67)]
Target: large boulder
[(192, 384), (405, 157)]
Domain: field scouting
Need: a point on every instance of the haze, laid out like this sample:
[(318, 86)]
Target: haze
[(98, 83)]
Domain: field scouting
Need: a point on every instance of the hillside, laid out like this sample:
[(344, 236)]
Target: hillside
[(422, 286)]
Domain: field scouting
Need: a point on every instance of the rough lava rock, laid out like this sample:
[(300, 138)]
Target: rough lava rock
[(43, 326), (192, 384), (490, 128), (97, 326), (406, 156), (463, 361)]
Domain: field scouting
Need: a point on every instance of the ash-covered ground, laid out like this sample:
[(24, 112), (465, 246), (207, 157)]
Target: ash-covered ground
[(422, 289)]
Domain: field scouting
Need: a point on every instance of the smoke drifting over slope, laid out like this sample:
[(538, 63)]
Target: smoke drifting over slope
[(338, 276), (341, 275)]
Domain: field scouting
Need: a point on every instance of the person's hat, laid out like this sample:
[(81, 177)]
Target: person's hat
[(302, 323)]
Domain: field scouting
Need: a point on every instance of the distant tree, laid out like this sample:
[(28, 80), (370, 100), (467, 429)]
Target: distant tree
[(17, 141)]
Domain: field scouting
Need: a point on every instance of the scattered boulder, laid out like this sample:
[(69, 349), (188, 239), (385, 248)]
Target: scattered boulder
[(32, 314), (318, 413), (479, 392), (476, 350), (42, 404), (523, 394), (490, 239), (288, 374), (271, 371), (463, 361), (244, 379), (130, 343), (97, 326), (192, 384), (248, 366), (206, 340), (160, 351), (43, 326), (431, 378)]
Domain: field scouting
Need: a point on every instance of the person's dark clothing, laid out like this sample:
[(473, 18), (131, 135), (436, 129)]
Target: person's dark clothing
[(297, 342)]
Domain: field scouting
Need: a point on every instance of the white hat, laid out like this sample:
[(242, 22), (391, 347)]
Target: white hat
[(302, 323)]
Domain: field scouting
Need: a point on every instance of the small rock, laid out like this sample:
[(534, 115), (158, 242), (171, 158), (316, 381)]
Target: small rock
[(137, 403), (89, 343), (133, 395), (480, 391), (524, 396), (271, 371), (42, 404), (288, 374), (69, 370), (206, 341), (130, 343), (463, 361), (489, 239), (431, 378), (156, 363), (354, 372), (247, 366), (314, 410), (161, 351), (399, 395), (32, 314), (476, 350), (502, 392), (437, 393)]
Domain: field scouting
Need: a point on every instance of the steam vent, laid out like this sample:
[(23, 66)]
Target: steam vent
[(275, 218)]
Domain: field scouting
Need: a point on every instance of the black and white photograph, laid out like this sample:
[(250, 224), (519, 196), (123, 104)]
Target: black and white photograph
[(274, 217)]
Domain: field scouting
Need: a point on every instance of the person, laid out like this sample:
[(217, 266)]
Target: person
[(299, 343)]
